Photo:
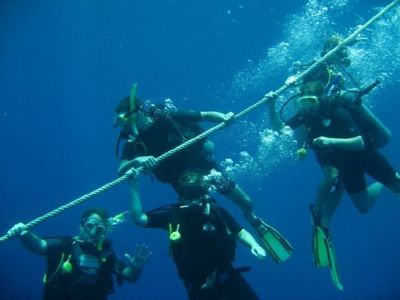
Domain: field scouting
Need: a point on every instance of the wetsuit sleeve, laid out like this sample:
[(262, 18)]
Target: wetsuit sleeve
[(129, 151), (295, 121), (158, 218), (232, 224), (182, 115), (118, 267), (346, 126), (55, 246)]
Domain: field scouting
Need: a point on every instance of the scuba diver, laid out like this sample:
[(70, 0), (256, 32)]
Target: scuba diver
[(82, 267), (151, 130), (345, 137), (202, 238), (342, 89)]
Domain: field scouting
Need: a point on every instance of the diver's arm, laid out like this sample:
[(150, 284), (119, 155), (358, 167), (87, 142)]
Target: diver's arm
[(276, 122), (34, 243), (240, 198), (124, 166), (247, 239), (136, 208), (215, 116), (352, 144), (131, 274), (31, 241), (147, 162)]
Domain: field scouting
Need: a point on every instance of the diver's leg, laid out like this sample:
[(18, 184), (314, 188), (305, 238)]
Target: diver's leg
[(394, 185), (327, 193), (378, 167), (332, 204), (366, 199), (237, 288), (241, 199)]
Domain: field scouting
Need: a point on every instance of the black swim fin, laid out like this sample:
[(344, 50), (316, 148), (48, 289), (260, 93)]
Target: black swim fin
[(276, 245)]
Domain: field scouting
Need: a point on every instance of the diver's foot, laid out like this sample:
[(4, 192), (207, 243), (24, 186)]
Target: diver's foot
[(252, 218), (315, 216), (317, 220)]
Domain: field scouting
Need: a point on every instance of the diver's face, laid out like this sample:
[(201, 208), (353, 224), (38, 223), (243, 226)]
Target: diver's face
[(93, 229), (143, 121), (121, 120), (308, 105)]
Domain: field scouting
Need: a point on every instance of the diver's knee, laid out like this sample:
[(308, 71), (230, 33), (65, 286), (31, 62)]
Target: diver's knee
[(246, 204), (363, 210), (208, 148), (394, 185), (139, 219), (361, 201)]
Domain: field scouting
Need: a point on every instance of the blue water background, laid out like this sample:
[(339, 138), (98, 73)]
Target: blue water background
[(65, 64)]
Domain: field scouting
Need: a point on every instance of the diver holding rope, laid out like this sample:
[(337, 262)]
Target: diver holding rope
[(345, 136), (150, 130)]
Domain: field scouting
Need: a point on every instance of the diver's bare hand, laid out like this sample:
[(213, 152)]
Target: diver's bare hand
[(147, 162), (140, 256), (19, 229), (229, 118), (323, 142), (259, 252)]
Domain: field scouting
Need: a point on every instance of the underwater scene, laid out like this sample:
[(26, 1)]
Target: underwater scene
[(182, 149)]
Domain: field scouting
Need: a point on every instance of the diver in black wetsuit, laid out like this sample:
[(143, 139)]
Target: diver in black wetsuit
[(151, 130), (83, 267), (159, 129), (328, 109), (202, 242)]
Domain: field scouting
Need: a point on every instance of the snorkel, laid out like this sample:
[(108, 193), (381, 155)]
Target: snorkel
[(126, 118), (133, 110)]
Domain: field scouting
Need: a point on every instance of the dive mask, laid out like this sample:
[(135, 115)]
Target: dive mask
[(92, 226), (307, 101)]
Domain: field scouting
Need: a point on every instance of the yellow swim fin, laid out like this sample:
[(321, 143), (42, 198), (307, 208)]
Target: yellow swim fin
[(320, 247), (276, 245), (333, 266), (323, 250), (324, 253)]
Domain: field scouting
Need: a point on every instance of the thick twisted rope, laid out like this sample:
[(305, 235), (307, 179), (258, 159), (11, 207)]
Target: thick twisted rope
[(77, 201), (270, 95)]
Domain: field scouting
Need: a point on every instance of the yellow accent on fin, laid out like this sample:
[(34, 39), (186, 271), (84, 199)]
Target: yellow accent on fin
[(320, 247), (277, 246), (324, 254)]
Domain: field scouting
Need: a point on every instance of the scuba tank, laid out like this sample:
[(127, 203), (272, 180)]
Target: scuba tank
[(375, 131)]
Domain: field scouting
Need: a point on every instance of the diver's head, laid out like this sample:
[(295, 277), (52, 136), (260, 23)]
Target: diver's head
[(94, 226), (341, 57), (308, 104), (309, 99), (192, 186), (125, 113)]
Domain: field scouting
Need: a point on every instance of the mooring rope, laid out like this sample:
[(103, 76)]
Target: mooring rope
[(270, 95)]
